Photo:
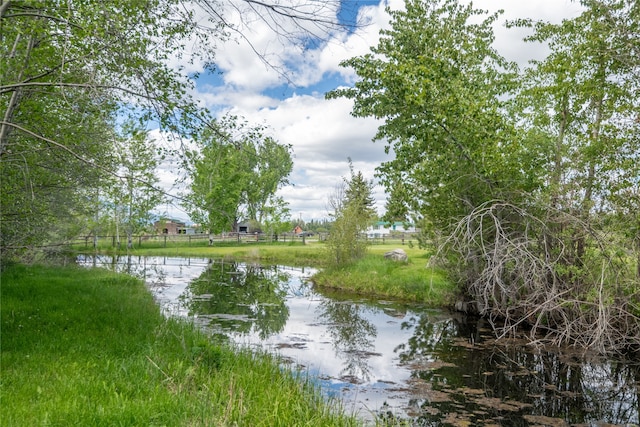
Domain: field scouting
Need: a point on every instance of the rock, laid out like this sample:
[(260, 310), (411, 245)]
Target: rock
[(465, 307), (397, 255)]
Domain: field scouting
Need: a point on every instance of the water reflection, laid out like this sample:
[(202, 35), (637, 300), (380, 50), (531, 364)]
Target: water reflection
[(240, 298), (352, 337), (391, 361), (462, 376)]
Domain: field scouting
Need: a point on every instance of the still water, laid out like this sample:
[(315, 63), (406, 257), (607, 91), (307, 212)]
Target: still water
[(387, 360)]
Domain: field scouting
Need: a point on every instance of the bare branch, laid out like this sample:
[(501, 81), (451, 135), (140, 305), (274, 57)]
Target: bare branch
[(4, 6), (12, 87), (518, 272)]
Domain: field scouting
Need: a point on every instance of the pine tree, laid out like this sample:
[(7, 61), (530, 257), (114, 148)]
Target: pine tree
[(353, 211)]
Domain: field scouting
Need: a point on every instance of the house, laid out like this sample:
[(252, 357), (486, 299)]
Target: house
[(170, 226), (386, 228), (297, 230)]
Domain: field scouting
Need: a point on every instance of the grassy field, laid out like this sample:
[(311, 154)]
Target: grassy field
[(87, 347), (372, 275), (297, 254)]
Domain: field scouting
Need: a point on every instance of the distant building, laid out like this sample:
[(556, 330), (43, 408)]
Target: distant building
[(171, 226), (297, 230), (385, 228)]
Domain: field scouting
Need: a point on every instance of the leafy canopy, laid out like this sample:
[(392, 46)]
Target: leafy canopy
[(235, 174)]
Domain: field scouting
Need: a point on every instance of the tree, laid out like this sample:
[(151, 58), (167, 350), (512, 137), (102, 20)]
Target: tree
[(235, 174), (517, 177), (276, 217), (271, 170), (352, 211), (48, 187), (70, 69), (118, 52), (441, 88), (439, 84), (581, 104), (134, 193), (589, 84)]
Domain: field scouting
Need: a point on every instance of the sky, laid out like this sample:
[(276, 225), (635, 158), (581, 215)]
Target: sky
[(322, 133)]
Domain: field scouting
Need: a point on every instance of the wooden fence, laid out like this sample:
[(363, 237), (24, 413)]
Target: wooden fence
[(164, 240)]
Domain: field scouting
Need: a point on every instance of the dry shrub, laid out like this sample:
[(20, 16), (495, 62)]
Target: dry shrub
[(547, 273)]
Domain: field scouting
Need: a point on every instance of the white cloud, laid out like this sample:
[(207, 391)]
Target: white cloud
[(508, 41), (323, 135), (322, 132)]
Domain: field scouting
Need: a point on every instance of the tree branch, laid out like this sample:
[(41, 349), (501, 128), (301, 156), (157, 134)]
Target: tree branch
[(85, 160)]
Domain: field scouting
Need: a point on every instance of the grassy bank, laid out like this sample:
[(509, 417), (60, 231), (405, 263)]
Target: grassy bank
[(89, 347), (375, 275)]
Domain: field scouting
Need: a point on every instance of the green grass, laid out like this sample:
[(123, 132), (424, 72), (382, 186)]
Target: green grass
[(289, 253), (89, 347), (374, 275)]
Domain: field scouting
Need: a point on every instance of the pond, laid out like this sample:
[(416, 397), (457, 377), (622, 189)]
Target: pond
[(390, 361)]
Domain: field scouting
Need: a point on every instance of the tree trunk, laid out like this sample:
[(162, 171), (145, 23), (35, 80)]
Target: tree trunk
[(589, 184), (15, 96)]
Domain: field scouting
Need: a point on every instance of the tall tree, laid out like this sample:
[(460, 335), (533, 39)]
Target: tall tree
[(271, 170), (68, 68), (521, 177), (581, 103), (276, 217), (439, 84), (352, 210), (582, 100), (134, 193), (235, 174), (46, 184)]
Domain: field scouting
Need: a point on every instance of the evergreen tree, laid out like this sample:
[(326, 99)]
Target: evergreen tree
[(352, 205)]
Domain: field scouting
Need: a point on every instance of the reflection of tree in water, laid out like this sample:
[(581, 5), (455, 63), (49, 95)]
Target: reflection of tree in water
[(459, 369), (352, 335), (429, 337), (240, 297)]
